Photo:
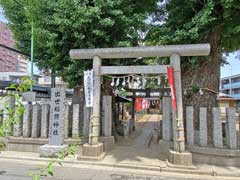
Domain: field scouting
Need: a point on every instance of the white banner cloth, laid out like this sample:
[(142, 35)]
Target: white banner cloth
[(88, 88)]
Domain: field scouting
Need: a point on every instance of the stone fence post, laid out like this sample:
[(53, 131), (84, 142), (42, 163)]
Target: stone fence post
[(36, 120), (166, 119), (203, 126), (27, 120), (76, 121), (107, 116), (231, 134), (217, 128), (190, 125), (66, 117), (45, 115), (9, 102)]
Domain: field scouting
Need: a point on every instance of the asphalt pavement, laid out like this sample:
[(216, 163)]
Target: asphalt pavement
[(17, 170)]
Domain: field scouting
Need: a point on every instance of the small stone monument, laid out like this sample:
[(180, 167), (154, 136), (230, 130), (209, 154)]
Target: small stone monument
[(56, 130)]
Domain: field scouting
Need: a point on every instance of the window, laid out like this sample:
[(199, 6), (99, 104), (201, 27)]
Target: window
[(236, 91), (225, 81), (235, 80)]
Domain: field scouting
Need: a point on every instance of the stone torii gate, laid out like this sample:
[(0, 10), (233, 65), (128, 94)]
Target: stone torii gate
[(94, 148)]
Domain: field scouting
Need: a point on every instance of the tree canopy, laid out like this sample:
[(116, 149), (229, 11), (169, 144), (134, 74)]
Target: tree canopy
[(199, 21), (190, 22), (195, 21), (65, 24)]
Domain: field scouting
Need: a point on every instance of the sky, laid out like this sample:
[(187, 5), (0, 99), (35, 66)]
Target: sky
[(232, 68), (2, 18)]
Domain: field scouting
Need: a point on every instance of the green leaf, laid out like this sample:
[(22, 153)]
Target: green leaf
[(63, 25), (36, 177), (50, 170)]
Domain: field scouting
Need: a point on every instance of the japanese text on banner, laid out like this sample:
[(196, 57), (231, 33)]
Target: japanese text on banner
[(88, 88)]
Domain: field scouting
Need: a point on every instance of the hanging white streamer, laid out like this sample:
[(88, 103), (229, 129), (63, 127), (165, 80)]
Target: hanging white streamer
[(112, 83)]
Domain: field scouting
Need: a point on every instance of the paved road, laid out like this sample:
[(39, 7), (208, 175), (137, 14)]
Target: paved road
[(15, 170)]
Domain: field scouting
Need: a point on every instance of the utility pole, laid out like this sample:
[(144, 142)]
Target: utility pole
[(32, 48)]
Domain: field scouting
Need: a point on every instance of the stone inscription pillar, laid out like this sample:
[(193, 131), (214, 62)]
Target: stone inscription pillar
[(56, 129)]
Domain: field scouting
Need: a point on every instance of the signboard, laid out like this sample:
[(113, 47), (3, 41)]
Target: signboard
[(138, 104), (171, 82), (56, 130), (88, 88), (141, 104), (145, 104)]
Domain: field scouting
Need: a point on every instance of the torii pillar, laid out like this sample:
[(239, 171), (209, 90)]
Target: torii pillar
[(178, 156), (94, 148)]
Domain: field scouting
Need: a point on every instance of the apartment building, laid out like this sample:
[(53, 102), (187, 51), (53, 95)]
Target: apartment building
[(22, 65), (45, 81), (231, 86), (8, 58)]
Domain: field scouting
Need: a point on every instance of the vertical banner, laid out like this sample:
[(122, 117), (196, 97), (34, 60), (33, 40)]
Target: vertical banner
[(141, 104), (170, 72), (144, 104), (88, 88), (138, 104)]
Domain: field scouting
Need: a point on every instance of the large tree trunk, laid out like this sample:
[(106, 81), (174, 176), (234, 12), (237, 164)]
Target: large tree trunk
[(205, 75)]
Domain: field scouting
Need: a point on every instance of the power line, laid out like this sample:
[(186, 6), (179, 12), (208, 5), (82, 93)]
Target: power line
[(14, 50)]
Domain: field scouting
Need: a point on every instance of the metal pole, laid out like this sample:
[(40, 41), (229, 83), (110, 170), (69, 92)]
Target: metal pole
[(32, 47)]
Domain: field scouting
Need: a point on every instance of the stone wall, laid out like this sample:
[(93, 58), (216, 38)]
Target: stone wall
[(32, 130), (222, 149), (225, 129)]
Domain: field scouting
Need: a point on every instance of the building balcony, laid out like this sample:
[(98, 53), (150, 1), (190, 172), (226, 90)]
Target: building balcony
[(237, 96), (46, 81), (231, 86)]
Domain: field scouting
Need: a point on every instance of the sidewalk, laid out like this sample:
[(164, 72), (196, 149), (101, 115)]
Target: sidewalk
[(127, 165)]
